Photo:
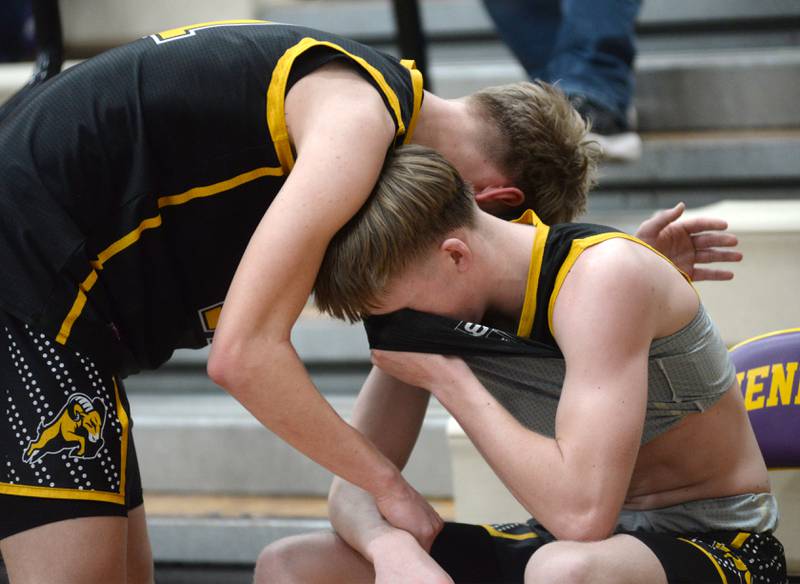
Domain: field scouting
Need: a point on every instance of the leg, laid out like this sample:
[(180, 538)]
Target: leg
[(139, 554), (621, 559), (529, 28), (322, 558), (595, 50), (75, 551)]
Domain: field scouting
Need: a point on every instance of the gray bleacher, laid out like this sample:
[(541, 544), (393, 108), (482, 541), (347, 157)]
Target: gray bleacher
[(718, 103)]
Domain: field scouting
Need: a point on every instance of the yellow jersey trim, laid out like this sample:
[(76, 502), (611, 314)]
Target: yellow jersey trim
[(54, 493), (151, 223), (77, 308), (81, 494), (276, 96), (534, 271), (739, 540), (722, 577), (122, 416), (578, 247), (517, 536), (765, 336), (173, 34), (416, 82)]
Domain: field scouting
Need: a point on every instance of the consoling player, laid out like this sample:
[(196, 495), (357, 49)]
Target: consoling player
[(142, 188), (625, 436)]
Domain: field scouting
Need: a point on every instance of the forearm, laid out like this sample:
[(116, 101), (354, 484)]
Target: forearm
[(269, 379), (355, 517), (556, 484)]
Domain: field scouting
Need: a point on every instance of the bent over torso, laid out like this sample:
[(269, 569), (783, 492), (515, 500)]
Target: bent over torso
[(131, 183)]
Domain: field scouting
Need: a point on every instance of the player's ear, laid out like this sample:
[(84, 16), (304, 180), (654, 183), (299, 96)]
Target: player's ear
[(499, 200), (459, 253)]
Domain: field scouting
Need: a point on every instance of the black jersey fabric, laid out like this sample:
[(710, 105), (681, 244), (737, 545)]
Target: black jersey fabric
[(555, 250), (130, 184), (411, 330)]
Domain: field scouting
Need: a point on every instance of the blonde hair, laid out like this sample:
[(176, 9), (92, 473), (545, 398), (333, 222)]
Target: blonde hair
[(418, 199), (539, 141)]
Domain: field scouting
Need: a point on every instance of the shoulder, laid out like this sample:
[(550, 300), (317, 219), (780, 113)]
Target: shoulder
[(333, 95), (616, 263), (612, 285)]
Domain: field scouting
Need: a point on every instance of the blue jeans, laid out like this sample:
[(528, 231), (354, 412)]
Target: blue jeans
[(16, 43), (586, 46)]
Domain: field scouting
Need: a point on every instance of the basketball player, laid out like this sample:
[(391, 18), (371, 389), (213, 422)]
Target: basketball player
[(211, 164)]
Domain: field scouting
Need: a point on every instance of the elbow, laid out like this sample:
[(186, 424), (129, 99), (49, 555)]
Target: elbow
[(232, 362), (223, 365), (584, 526)]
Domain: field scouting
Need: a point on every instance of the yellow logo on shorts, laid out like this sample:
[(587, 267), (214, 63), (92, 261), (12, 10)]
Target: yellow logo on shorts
[(79, 424)]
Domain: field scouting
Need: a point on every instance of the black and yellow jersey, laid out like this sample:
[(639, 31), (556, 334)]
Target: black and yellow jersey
[(688, 371), (130, 184), (555, 250)]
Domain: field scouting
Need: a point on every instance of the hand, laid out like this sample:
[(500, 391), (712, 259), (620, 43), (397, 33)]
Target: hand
[(406, 509), (424, 370), (687, 244), (397, 557)]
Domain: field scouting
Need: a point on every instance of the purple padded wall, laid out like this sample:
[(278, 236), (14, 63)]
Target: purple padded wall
[(767, 369)]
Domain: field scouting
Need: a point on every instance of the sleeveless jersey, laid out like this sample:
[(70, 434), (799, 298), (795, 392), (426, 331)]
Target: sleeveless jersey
[(688, 371), (131, 183)]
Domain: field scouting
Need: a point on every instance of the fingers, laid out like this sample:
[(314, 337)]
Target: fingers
[(709, 256), (706, 274), (709, 240), (661, 219), (698, 224)]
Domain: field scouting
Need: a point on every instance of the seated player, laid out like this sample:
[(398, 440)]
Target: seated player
[(630, 447)]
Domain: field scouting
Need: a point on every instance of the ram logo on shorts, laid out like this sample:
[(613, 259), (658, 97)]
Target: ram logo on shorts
[(77, 428)]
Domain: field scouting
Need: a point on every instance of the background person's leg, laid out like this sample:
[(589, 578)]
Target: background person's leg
[(529, 28), (620, 559), (317, 558), (75, 551), (594, 52)]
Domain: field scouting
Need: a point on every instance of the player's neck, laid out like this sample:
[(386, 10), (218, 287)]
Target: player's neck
[(444, 125), (507, 253)]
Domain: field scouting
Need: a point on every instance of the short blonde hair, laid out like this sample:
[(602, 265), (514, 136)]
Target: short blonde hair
[(539, 141), (418, 199)]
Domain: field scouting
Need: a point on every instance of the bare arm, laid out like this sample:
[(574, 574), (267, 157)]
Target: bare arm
[(576, 483), (390, 413), (341, 131)]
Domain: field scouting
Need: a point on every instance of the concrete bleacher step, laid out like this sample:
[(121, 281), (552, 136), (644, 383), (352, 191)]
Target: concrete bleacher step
[(448, 19), (233, 529), (716, 64), (744, 78), (208, 443), (723, 89), (678, 90)]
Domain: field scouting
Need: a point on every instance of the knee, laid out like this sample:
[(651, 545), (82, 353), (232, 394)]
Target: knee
[(560, 563), (279, 562)]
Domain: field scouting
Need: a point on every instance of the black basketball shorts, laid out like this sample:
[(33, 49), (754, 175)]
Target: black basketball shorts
[(498, 554), (66, 448)]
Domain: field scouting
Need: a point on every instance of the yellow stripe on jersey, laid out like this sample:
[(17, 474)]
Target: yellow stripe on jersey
[(578, 247), (517, 536), (151, 223), (416, 82), (77, 307), (276, 95), (739, 540), (534, 271), (189, 31), (219, 187), (124, 423)]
